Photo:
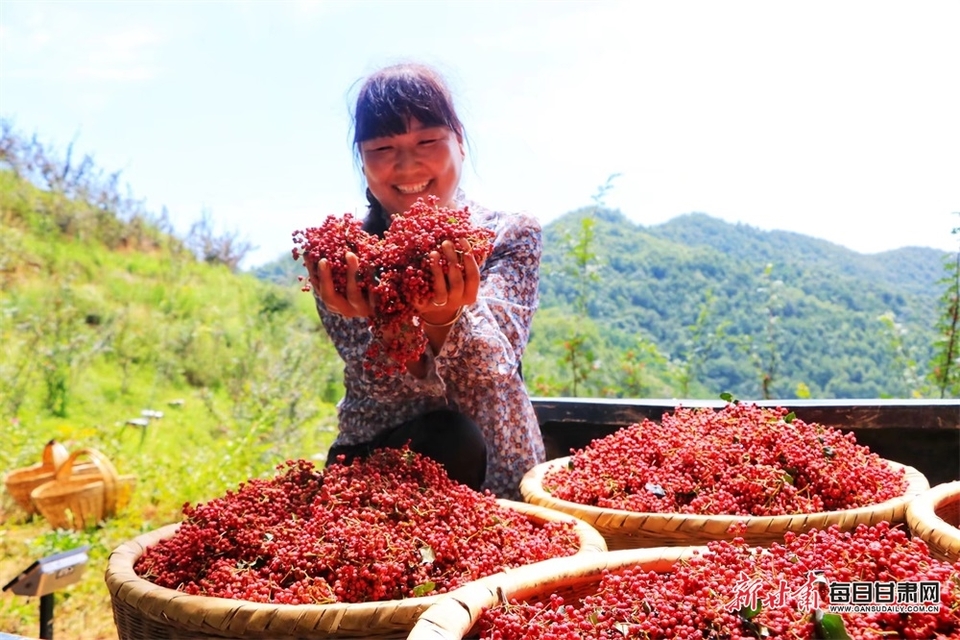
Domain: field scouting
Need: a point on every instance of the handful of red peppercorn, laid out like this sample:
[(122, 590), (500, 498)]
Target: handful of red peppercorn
[(394, 270)]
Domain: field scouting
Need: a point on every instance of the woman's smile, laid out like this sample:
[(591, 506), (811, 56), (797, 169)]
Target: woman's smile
[(412, 189)]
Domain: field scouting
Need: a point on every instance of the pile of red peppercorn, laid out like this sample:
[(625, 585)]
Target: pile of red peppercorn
[(389, 527), (740, 460), (736, 592)]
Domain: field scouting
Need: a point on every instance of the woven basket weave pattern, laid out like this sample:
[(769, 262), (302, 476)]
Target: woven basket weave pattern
[(628, 530), (142, 609), (934, 516)]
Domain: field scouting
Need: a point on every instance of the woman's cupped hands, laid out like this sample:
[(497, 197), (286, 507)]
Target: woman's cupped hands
[(456, 284)]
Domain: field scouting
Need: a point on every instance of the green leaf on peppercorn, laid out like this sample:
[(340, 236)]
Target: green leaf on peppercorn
[(790, 417), (423, 589), (747, 615), (828, 626), (728, 397)]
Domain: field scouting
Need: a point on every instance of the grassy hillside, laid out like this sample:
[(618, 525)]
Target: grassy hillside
[(103, 319)]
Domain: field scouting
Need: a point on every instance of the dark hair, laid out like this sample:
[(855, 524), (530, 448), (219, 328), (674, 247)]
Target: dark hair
[(391, 96), (386, 102)]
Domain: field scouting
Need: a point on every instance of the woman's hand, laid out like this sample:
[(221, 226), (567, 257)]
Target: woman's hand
[(453, 290), (351, 305)]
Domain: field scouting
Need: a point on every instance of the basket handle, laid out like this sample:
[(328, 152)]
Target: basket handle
[(107, 471), (54, 455)]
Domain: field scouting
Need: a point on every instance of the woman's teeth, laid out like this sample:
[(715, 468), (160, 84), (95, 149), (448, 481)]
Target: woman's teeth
[(410, 189)]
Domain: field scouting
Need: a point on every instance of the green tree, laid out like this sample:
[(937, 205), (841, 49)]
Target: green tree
[(904, 363), (944, 370), (701, 343), (583, 268), (638, 367), (765, 354)]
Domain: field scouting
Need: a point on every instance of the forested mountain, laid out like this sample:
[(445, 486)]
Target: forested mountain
[(737, 307)]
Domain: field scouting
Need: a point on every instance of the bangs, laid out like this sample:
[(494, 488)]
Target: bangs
[(387, 103)]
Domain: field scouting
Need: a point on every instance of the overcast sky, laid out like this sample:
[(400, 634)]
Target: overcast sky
[(836, 119)]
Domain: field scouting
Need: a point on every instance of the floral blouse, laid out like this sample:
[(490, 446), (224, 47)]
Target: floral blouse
[(476, 370)]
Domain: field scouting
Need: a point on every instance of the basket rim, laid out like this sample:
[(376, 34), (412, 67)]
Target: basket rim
[(924, 522), (531, 486), (162, 604), (26, 475), (456, 613)]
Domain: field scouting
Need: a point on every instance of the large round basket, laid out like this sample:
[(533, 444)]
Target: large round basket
[(630, 529), (455, 615), (142, 609), (934, 516), (20, 482), (81, 496)]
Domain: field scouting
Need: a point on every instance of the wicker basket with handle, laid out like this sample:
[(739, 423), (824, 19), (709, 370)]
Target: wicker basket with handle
[(20, 482), (79, 500), (934, 516), (630, 529), (142, 609)]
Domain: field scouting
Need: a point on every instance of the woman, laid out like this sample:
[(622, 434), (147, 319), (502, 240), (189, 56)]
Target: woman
[(463, 403)]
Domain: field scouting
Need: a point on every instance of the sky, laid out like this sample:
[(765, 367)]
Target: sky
[(837, 119)]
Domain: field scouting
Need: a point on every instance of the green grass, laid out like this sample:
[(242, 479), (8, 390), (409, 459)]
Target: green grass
[(92, 335)]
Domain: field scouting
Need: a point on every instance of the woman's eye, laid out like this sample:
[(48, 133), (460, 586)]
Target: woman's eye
[(428, 141)]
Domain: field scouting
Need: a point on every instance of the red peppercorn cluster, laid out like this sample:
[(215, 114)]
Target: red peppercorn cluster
[(389, 527), (736, 592), (740, 460), (332, 240), (394, 270)]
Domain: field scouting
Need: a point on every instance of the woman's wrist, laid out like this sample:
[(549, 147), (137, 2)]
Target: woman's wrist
[(441, 325)]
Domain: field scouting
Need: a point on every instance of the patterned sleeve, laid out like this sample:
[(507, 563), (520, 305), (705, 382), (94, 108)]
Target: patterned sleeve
[(488, 341)]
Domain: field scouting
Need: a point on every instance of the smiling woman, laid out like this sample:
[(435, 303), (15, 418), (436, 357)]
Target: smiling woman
[(463, 402)]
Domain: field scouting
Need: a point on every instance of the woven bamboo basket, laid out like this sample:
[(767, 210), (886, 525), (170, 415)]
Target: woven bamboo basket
[(455, 615), (629, 529), (80, 499), (934, 516), (20, 482), (142, 609)]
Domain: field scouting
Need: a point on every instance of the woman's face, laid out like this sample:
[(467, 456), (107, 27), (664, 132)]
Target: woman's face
[(421, 162)]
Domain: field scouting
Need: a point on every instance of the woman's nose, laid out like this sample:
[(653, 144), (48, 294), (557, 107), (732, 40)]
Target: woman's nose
[(405, 158)]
